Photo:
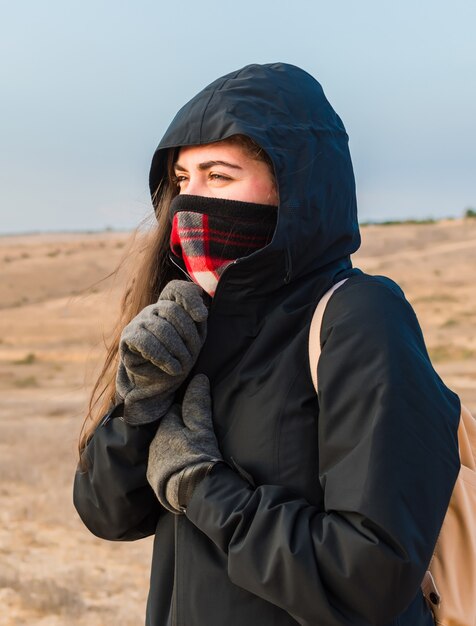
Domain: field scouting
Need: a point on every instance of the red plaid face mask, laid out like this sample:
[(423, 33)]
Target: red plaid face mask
[(210, 233)]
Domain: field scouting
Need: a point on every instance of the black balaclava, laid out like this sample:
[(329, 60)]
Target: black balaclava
[(209, 234)]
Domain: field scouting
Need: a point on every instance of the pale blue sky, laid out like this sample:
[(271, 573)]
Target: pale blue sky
[(89, 87)]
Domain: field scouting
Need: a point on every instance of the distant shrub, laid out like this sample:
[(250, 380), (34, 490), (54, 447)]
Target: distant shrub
[(24, 383), (470, 213), (27, 360), (436, 297), (45, 596), (450, 353), (449, 323), (428, 220)]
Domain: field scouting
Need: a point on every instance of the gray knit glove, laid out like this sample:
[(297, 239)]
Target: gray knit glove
[(158, 349), (184, 448)]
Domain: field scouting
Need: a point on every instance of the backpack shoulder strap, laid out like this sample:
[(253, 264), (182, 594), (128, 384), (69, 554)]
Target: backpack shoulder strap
[(315, 331), (467, 440)]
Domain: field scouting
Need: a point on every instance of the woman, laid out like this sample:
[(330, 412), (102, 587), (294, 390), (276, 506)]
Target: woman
[(270, 505)]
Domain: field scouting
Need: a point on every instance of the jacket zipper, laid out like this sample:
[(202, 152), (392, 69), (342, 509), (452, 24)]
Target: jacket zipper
[(177, 517), (175, 591), (171, 258), (220, 282), (191, 279)]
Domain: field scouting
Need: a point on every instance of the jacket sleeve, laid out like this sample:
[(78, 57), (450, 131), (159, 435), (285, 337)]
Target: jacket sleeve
[(388, 461), (111, 492)]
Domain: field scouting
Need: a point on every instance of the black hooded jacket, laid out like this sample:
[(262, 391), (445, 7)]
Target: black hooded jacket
[(332, 514)]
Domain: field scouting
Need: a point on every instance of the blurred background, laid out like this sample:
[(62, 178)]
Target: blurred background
[(88, 88)]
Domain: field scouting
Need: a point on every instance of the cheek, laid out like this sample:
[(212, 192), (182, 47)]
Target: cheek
[(259, 191)]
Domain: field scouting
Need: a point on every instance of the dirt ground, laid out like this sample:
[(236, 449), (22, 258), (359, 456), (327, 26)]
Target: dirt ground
[(53, 314)]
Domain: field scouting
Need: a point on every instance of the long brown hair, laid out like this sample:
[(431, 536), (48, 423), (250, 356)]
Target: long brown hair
[(152, 271)]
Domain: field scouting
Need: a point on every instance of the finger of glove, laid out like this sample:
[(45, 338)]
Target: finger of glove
[(197, 404), (147, 382), (160, 466), (143, 407), (152, 317), (136, 362), (124, 384), (157, 341), (189, 296), (168, 437), (170, 424), (189, 331), (141, 364)]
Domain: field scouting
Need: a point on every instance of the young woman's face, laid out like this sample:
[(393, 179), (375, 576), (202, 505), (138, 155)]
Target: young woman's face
[(224, 170)]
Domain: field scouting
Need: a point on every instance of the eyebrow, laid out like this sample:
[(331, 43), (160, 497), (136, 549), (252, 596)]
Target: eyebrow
[(207, 165)]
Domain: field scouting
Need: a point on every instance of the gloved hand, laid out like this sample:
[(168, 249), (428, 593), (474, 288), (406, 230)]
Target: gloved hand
[(158, 349), (184, 448)]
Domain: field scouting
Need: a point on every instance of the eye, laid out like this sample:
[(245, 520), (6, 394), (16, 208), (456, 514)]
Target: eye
[(177, 179), (219, 177)]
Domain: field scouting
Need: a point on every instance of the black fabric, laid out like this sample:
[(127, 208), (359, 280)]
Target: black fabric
[(285, 111), (110, 485), (231, 210), (349, 489), (341, 529), (209, 233)]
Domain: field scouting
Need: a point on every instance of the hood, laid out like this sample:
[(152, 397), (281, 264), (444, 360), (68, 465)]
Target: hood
[(283, 109)]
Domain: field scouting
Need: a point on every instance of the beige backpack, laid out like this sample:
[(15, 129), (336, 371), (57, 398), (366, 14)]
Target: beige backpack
[(449, 584)]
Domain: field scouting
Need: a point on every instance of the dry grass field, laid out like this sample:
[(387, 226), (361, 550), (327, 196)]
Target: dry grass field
[(52, 319)]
